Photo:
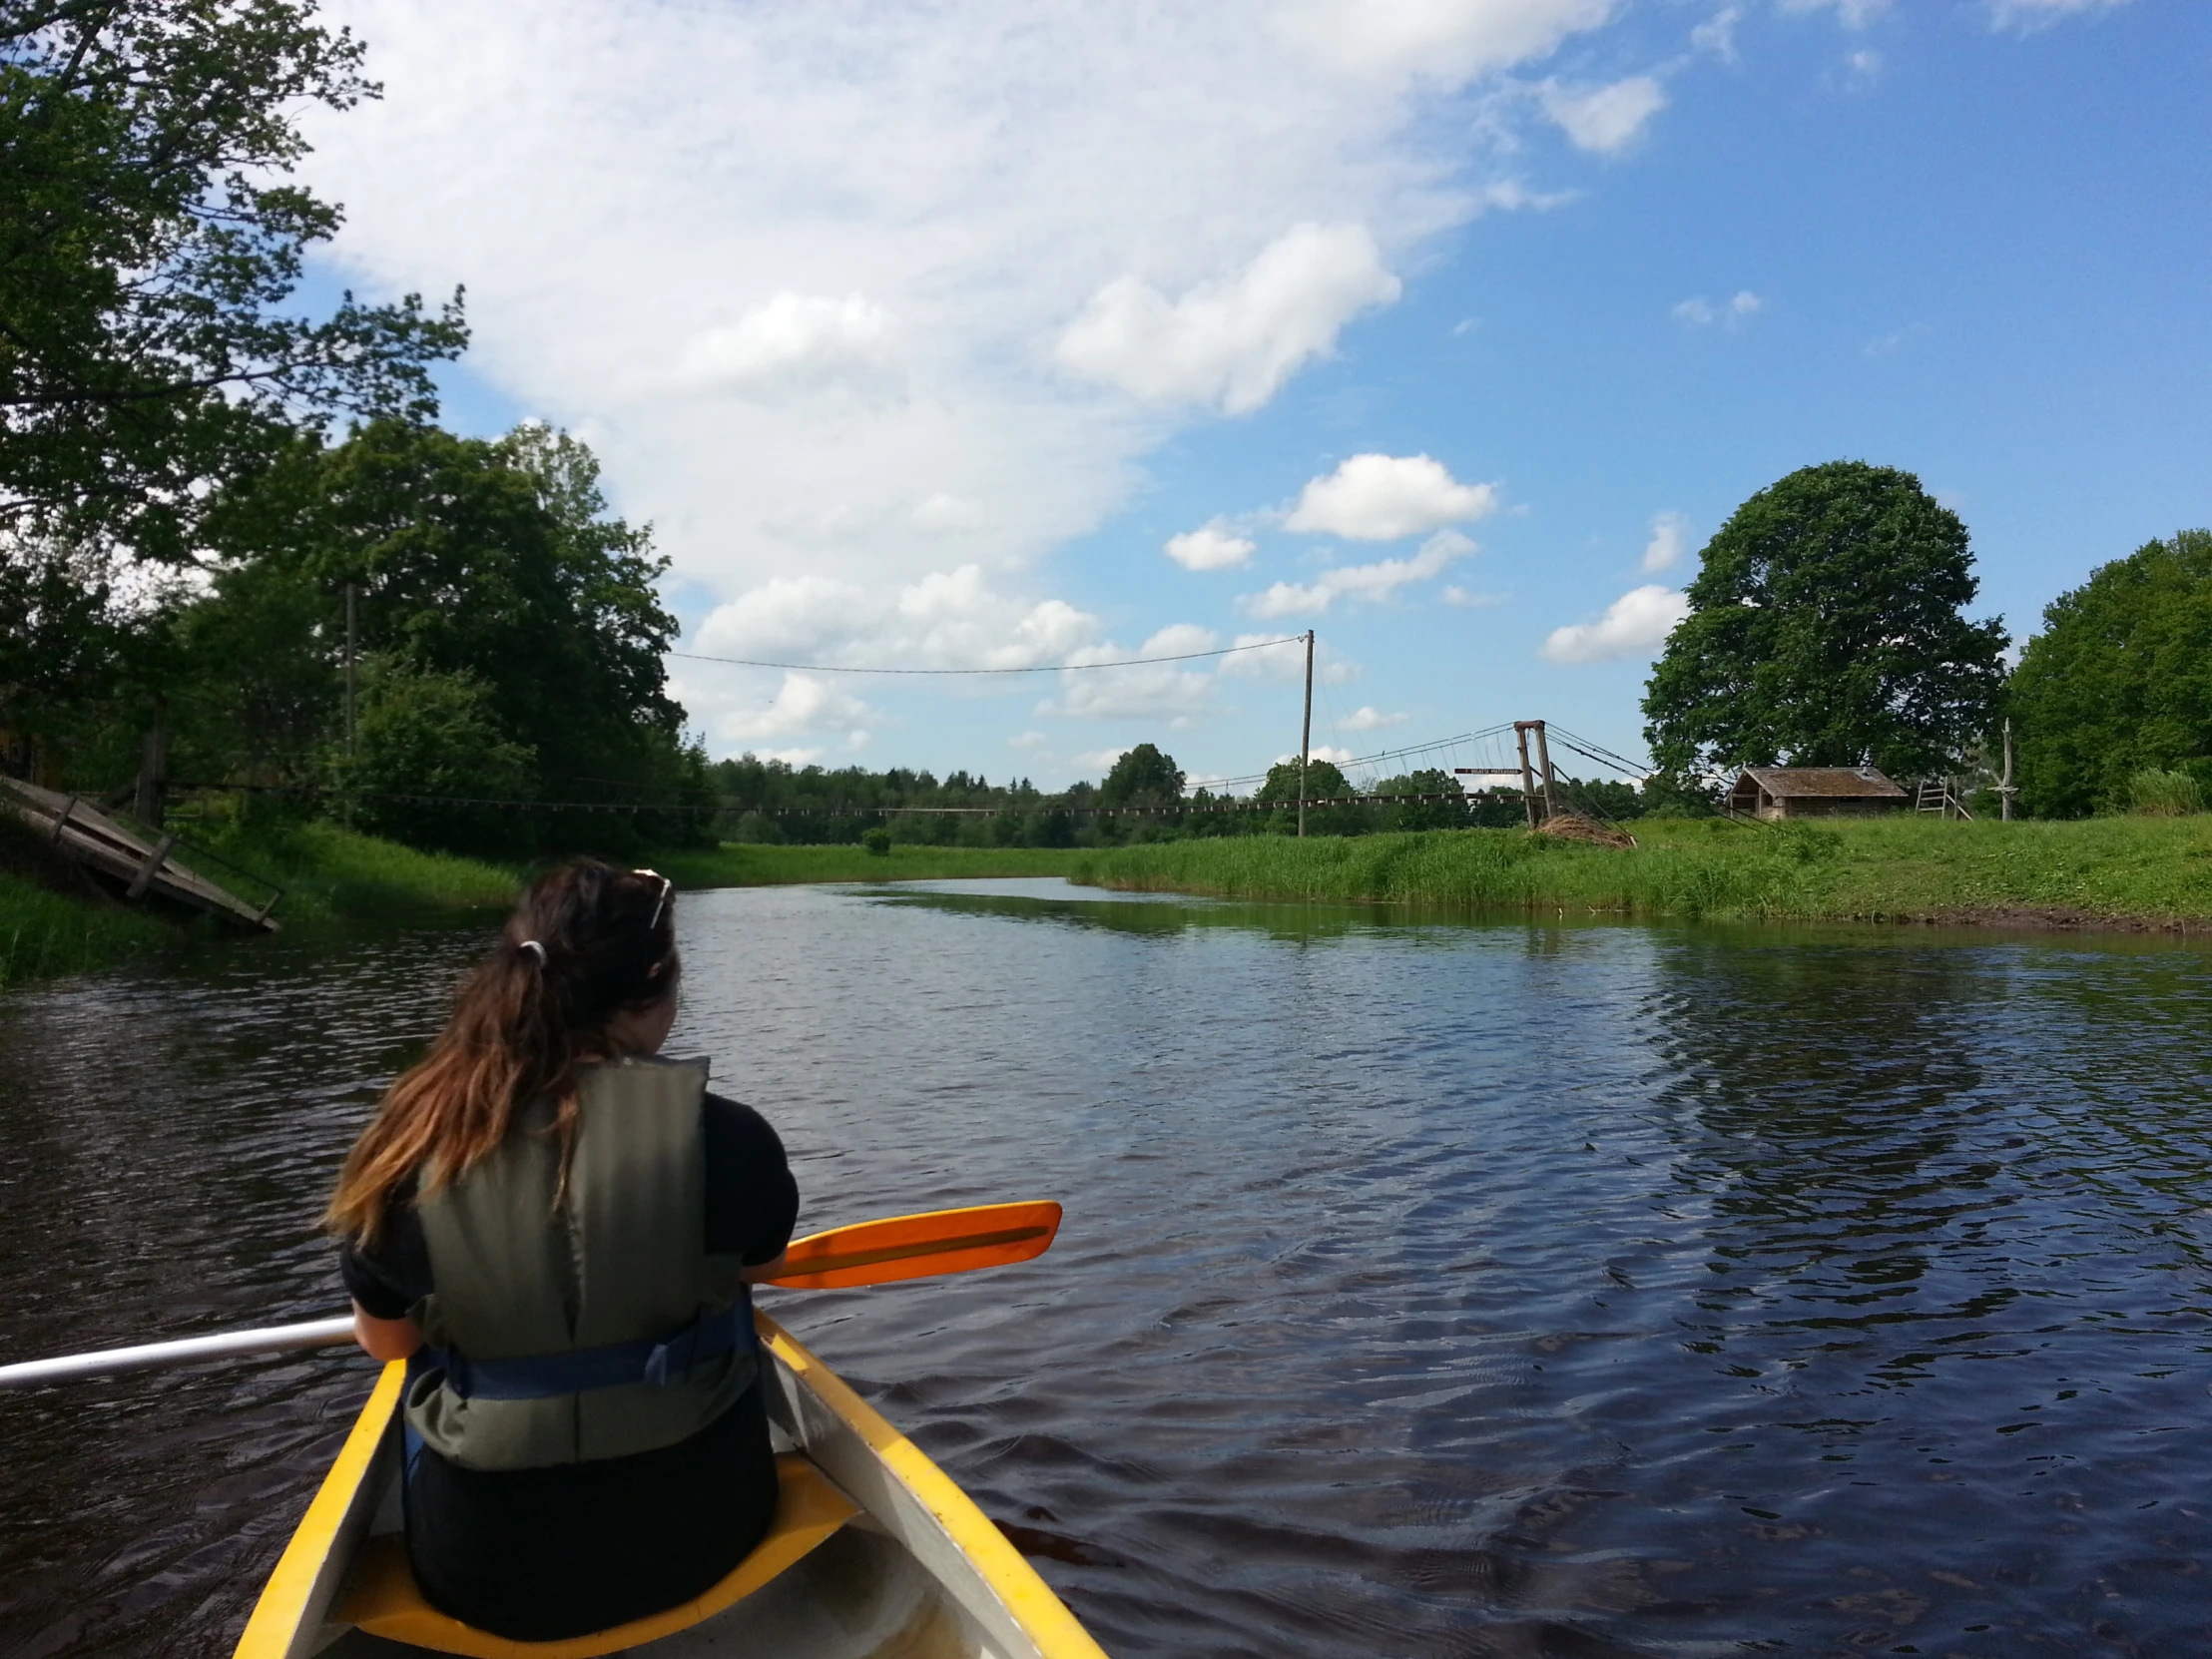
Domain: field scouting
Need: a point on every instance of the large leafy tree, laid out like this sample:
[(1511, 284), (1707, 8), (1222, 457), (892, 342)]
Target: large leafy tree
[(1142, 777), (1826, 628), (2119, 680), (150, 234), (509, 612)]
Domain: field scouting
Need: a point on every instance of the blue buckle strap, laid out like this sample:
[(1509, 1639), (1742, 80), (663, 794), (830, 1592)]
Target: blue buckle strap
[(655, 1360)]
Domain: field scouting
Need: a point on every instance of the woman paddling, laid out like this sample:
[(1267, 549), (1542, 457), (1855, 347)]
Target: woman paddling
[(556, 1229)]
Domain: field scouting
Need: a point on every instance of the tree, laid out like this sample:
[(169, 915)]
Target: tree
[(431, 765), (1448, 813), (497, 562), (1825, 629), (2120, 680), (1142, 777), (149, 232)]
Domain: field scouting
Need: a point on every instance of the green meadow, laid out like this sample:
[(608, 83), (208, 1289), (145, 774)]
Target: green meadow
[(2125, 873)]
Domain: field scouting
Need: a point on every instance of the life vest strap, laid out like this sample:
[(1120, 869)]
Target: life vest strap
[(655, 1360)]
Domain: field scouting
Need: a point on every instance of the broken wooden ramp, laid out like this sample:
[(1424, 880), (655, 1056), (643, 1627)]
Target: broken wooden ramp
[(130, 863)]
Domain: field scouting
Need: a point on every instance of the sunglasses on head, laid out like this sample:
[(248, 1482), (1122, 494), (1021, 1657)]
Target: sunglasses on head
[(660, 903)]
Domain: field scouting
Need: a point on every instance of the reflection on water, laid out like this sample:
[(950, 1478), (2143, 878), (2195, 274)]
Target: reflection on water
[(1425, 1288)]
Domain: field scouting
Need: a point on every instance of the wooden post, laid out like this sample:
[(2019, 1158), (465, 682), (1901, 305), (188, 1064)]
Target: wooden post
[(1306, 734), (1527, 778), (2005, 790), (349, 591), (349, 720), (150, 801), (150, 867), (1543, 764)]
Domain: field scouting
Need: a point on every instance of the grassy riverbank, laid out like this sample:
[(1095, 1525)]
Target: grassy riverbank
[(52, 922), (742, 864), (2125, 873), (330, 873)]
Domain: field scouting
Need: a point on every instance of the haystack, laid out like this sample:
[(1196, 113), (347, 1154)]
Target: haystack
[(1573, 826)]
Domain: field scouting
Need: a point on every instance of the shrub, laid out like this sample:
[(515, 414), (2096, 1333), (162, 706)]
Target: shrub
[(877, 842)]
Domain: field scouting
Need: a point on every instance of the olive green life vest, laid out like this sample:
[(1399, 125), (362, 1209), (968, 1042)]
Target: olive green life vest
[(621, 1258)]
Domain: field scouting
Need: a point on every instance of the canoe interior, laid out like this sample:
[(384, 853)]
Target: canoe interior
[(917, 1573)]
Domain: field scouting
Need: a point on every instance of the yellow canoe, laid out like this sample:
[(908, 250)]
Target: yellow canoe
[(875, 1551)]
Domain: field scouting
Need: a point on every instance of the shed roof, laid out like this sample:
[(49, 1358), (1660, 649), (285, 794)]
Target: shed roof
[(1833, 783)]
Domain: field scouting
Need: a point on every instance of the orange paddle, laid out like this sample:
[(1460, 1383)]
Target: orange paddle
[(916, 1246)]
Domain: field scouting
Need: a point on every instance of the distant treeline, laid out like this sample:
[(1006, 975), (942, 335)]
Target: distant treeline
[(1143, 799)]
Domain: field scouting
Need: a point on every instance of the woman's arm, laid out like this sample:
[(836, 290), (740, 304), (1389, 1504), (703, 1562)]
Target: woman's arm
[(760, 1273), (384, 1339)]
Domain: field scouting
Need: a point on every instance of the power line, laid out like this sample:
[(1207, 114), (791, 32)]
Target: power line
[(1041, 668)]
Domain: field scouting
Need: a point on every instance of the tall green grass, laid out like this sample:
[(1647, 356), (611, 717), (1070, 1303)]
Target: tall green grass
[(2118, 869), (2155, 793), (744, 864), (43, 932), (328, 871)]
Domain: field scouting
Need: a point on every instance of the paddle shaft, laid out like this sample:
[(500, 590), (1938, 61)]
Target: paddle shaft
[(223, 1345), (871, 1251)]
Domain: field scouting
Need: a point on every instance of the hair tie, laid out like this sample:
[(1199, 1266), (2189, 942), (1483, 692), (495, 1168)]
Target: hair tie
[(536, 949)]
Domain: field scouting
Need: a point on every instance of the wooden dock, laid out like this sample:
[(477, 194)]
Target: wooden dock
[(130, 865)]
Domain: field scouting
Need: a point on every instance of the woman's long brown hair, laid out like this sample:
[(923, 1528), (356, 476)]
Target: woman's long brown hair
[(520, 1023)]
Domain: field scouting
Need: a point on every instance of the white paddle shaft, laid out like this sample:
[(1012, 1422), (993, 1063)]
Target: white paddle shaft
[(223, 1345)]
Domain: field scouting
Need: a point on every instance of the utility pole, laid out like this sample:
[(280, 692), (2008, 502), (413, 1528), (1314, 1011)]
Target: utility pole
[(1306, 734), (349, 720), (2005, 789)]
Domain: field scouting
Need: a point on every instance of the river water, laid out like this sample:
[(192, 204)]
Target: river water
[(1426, 1289)]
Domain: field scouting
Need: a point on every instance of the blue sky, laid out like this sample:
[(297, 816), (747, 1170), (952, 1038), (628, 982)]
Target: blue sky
[(922, 333)]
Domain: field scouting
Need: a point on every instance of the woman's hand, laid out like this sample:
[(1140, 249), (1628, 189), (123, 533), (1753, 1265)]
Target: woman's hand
[(384, 1339)]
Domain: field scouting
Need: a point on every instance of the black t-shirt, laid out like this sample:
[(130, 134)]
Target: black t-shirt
[(541, 1554)]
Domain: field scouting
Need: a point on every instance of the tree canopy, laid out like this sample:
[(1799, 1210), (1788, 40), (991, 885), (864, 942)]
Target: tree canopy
[(509, 622), (1826, 629), (2120, 680), (1142, 777), (150, 234)]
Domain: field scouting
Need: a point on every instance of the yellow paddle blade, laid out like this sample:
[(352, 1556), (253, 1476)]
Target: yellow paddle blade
[(916, 1246)]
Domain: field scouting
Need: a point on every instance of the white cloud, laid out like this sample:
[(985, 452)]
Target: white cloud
[(1634, 625), (1331, 752), (1255, 658), (1368, 718), (1212, 546), (796, 345), (1670, 536), (857, 231), (1174, 691), (1231, 345), (1865, 66), (1370, 583), (1469, 598), (944, 514), (2035, 14), (803, 706), (1603, 119), (948, 619), (1701, 313), (1386, 498), (1852, 14), (1444, 42), (1027, 740), (1717, 34)]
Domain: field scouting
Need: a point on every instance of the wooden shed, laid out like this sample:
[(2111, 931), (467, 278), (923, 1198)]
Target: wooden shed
[(1814, 792)]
